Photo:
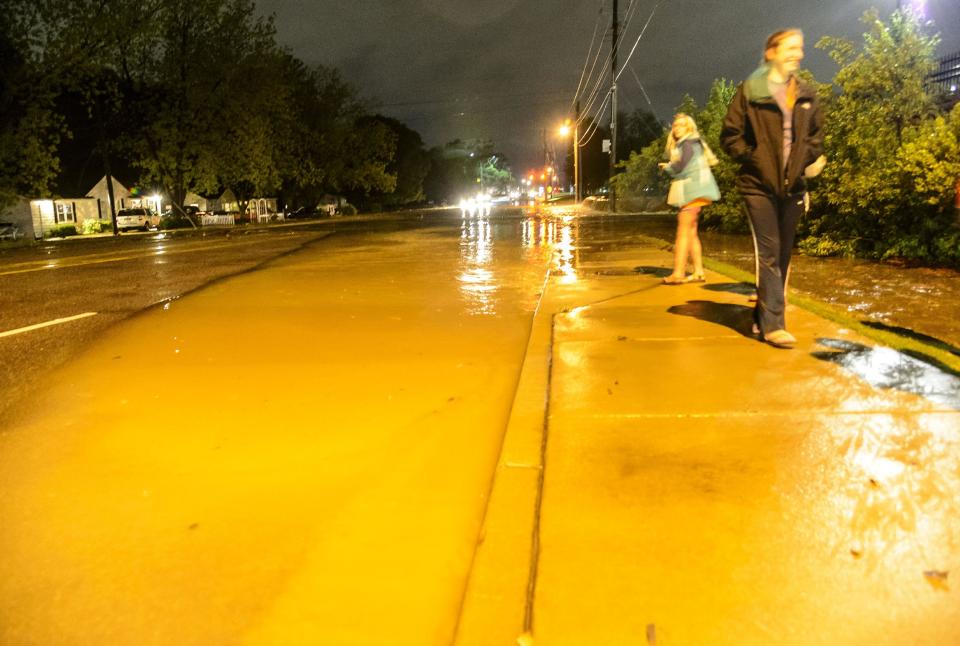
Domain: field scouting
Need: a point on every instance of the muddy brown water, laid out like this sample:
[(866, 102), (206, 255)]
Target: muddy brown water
[(913, 301)]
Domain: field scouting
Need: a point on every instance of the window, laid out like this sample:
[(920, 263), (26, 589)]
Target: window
[(65, 213)]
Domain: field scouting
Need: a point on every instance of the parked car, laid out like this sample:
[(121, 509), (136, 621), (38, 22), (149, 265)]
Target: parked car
[(10, 231), (301, 213), (137, 218)]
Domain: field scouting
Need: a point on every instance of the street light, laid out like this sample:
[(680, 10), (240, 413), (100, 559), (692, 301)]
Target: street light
[(565, 131)]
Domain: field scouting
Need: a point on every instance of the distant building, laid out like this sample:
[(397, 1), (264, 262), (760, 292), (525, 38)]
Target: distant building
[(36, 217), (947, 76)]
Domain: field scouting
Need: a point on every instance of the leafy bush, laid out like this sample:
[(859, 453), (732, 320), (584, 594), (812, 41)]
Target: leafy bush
[(62, 231), (174, 221), (96, 226), (887, 190), (348, 209), (825, 246)]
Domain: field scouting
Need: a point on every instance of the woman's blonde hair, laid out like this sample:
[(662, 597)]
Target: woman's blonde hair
[(692, 131), (777, 37)]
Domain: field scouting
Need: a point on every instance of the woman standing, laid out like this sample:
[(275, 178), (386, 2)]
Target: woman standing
[(773, 130), (693, 188)]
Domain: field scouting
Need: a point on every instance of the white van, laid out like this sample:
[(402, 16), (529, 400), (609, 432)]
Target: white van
[(137, 218)]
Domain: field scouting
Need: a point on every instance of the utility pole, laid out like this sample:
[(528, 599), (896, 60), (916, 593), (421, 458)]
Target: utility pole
[(576, 154), (613, 106)]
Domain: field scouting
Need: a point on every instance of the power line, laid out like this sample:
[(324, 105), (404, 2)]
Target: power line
[(583, 73), (486, 97), (503, 108), (596, 121), (642, 32), (631, 11)]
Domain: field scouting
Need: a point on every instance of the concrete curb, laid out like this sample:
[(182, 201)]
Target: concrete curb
[(496, 604)]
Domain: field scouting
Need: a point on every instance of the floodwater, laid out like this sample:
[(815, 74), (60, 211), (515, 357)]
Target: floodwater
[(909, 300), (276, 457)]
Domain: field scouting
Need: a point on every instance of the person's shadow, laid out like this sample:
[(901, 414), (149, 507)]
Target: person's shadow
[(732, 288), (738, 318), (659, 272)]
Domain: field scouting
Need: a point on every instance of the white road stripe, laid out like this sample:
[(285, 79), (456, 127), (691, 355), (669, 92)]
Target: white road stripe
[(38, 326)]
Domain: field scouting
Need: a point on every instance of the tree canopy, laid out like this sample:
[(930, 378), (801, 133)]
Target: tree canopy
[(197, 95)]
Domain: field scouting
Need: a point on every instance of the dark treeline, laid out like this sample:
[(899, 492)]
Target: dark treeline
[(196, 96)]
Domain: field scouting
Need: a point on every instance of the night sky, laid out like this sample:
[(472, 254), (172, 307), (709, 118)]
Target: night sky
[(505, 69)]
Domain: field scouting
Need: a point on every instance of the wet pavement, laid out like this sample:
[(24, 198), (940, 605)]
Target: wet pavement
[(291, 448), (56, 298), (475, 430), (690, 485)]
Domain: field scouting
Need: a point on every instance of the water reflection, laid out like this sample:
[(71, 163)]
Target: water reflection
[(477, 281), (884, 368), (567, 259), (898, 490), (543, 235)]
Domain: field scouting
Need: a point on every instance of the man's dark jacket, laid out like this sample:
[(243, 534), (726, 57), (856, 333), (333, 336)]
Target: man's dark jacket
[(753, 137)]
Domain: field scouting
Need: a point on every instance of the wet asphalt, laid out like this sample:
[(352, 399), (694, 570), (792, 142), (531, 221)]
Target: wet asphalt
[(272, 451)]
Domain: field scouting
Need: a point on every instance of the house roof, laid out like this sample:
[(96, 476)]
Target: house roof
[(100, 188)]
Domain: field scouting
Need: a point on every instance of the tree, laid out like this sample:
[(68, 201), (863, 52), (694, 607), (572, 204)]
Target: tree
[(639, 129), (410, 165), (727, 214), (460, 167), (30, 130), (333, 147), (210, 115), (868, 203)]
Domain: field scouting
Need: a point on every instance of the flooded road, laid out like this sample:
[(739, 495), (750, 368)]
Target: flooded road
[(303, 451), (909, 300), (276, 457)]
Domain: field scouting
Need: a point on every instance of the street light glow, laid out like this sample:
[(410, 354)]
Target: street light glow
[(916, 7)]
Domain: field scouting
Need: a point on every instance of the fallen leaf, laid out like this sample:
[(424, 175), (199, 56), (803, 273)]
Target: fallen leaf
[(937, 579)]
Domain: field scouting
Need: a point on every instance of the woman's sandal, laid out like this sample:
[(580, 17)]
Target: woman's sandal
[(780, 339), (695, 278), (672, 280)]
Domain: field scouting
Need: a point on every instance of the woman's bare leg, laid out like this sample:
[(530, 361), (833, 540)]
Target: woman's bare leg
[(681, 247), (696, 249)]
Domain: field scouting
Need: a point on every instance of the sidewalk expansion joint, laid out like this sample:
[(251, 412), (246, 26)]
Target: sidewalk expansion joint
[(519, 465), (674, 339), (776, 413)]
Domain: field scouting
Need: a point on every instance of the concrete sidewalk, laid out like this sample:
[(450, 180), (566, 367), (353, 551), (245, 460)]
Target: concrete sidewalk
[(668, 479)]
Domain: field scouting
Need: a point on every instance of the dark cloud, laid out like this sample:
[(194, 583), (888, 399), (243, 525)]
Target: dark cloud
[(505, 69)]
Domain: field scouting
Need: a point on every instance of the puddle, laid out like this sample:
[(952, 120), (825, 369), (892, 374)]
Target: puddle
[(887, 369)]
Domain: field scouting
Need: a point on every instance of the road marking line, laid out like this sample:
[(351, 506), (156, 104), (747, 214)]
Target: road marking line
[(147, 254), (38, 326)]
